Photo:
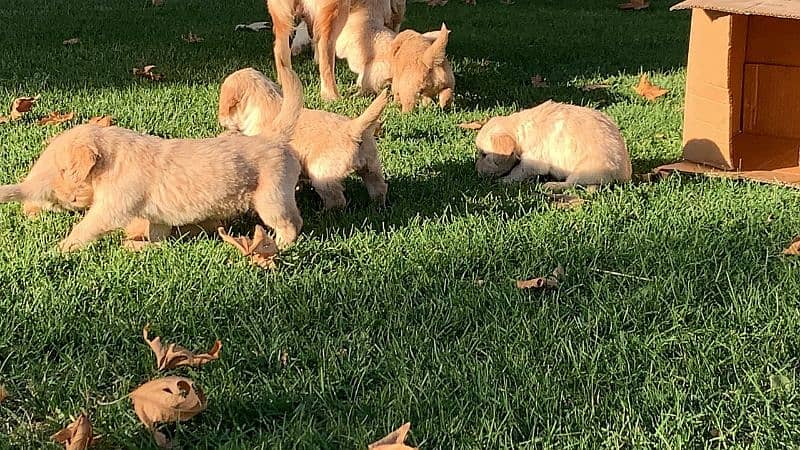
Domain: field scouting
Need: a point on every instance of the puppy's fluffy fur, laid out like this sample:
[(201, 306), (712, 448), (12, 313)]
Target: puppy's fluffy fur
[(172, 182), (329, 146), (579, 145), (415, 64), (325, 18)]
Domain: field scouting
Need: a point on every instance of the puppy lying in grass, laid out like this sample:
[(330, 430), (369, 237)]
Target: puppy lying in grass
[(415, 64), (581, 146), (128, 179), (329, 146)]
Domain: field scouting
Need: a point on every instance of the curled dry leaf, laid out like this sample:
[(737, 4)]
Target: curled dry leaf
[(476, 125), (192, 38), (566, 201), (55, 117), (168, 399), (255, 26), (147, 72), (394, 440), (72, 41), (634, 5), (77, 435), (261, 250), (19, 106), (794, 248), (550, 281), (175, 356), (648, 90), (3, 393), (103, 121), (538, 81)]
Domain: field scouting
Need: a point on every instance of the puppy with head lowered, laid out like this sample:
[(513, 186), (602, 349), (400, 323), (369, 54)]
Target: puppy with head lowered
[(132, 177), (578, 145), (329, 146)]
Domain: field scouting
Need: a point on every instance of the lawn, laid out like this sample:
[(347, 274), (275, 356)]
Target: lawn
[(409, 313)]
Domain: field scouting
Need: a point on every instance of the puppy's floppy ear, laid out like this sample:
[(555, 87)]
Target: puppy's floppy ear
[(82, 159), (503, 144), (435, 54)]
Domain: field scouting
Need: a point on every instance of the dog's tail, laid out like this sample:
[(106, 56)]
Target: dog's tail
[(12, 193), (286, 119), (435, 55), (370, 116)]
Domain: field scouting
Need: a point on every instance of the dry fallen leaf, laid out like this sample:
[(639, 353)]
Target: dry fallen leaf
[(436, 2), (550, 281), (255, 26), (19, 106), (55, 118), (394, 440), (77, 435), (649, 90), (538, 81), (284, 358), (469, 2), (175, 356), (72, 41), (262, 249), (168, 399), (634, 5), (192, 38), (595, 87), (566, 201), (3, 393), (147, 72), (476, 125), (158, 2), (794, 248), (103, 121)]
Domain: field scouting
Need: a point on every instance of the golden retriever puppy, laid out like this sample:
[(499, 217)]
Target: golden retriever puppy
[(415, 64), (581, 146), (174, 182), (325, 18), (329, 146)]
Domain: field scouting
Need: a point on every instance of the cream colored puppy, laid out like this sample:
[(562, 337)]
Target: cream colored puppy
[(581, 146), (415, 64), (329, 146), (173, 182)]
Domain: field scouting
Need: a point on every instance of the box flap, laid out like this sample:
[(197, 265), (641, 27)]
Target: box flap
[(789, 9), (789, 177)]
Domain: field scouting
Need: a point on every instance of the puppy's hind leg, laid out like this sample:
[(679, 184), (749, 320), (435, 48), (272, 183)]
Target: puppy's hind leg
[(372, 174), (525, 171)]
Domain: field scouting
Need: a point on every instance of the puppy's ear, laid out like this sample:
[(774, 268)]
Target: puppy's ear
[(503, 144), (82, 160), (435, 54)]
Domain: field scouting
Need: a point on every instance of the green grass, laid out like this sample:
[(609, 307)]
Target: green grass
[(408, 313)]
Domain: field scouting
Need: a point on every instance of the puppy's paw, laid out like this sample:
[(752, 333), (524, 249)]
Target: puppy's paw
[(557, 186), (137, 245), (509, 180), (68, 245)]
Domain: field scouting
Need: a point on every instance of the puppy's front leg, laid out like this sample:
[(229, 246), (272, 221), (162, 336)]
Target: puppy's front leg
[(524, 171), (98, 221)]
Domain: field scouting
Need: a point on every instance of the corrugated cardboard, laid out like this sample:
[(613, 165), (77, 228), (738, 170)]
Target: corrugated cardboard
[(742, 111)]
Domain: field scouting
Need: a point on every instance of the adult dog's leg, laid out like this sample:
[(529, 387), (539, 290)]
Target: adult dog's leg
[(329, 21)]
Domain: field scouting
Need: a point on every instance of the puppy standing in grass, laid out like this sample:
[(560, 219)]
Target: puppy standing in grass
[(173, 182), (329, 146), (581, 146)]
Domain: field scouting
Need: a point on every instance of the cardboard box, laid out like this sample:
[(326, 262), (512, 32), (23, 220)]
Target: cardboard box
[(742, 112)]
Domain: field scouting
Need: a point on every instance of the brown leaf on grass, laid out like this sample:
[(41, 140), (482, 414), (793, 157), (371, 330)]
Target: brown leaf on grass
[(538, 81), (55, 117), (77, 435), (103, 121), (72, 41), (158, 2), (648, 90), (19, 106), (469, 2), (595, 87), (394, 440), (634, 5), (168, 399), (548, 282), (476, 125), (175, 356), (192, 38), (284, 358), (261, 250), (147, 72), (566, 201), (3, 393), (436, 2), (794, 248), (255, 26)]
